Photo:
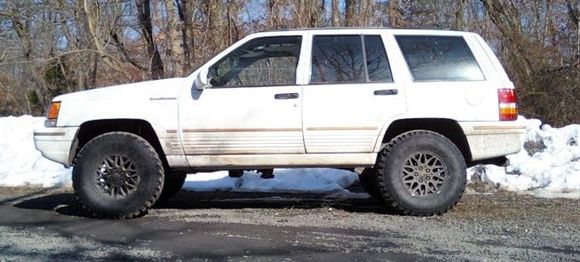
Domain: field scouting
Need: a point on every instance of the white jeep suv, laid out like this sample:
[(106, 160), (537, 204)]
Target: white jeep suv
[(412, 108)]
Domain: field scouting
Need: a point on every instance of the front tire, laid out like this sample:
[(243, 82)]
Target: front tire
[(421, 173), (172, 185), (118, 175)]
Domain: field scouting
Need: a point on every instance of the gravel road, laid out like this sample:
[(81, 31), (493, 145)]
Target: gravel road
[(44, 224)]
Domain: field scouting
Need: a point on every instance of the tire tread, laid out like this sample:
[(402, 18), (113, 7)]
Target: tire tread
[(391, 198), (159, 165)]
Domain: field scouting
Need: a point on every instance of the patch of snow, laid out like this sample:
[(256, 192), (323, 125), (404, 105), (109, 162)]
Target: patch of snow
[(20, 163), (285, 180), (548, 166)]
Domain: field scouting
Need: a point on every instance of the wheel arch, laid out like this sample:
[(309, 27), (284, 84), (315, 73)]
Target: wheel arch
[(93, 128), (444, 126)]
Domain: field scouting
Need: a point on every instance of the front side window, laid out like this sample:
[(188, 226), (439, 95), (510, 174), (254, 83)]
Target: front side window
[(439, 58), (268, 61), (340, 59)]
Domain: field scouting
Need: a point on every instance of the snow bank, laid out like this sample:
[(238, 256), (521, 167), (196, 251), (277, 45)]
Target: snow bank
[(20, 163), (549, 165), (286, 180)]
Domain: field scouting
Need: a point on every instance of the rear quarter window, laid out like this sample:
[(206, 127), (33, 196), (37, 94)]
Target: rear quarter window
[(439, 58)]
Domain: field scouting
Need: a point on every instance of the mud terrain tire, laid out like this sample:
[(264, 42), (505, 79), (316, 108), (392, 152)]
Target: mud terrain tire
[(172, 185), (421, 173), (117, 175)]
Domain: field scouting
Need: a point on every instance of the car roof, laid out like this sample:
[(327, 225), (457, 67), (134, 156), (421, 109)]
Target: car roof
[(361, 30), (318, 29)]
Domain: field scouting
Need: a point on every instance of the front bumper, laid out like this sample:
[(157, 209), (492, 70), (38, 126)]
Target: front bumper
[(493, 139), (55, 143)]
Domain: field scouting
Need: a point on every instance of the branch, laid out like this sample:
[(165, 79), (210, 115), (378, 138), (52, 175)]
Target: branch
[(57, 57), (125, 53), (111, 61), (572, 13)]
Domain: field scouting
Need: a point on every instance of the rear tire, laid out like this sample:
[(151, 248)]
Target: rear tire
[(118, 175), (368, 180), (421, 173)]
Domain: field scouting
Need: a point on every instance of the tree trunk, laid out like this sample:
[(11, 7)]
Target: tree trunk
[(185, 38), (215, 17), (313, 12), (31, 80), (395, 14), (144, 10), (350, 13), (186, 14), (272, 13), (91, 21), (459, 15), (176, 38), (320, 17), (364, 6), (574, 15), (506, 18), (215, 22), (301, 18), (335, 14)]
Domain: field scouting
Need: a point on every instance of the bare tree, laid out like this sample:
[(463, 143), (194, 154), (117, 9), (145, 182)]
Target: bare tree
[(350, 13), (52, 47), (100, 37), (395, 14), (506, 18), (460, 15), (144, 9), (335, 14), (574, 14), (177, 38)]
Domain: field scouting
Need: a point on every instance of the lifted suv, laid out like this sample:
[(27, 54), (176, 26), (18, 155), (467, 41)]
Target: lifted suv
[(409, 107)]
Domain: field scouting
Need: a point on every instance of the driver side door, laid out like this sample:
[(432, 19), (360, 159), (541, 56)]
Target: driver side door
[(253, 106)]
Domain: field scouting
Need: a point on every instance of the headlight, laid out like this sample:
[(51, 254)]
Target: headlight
[(52, 114)]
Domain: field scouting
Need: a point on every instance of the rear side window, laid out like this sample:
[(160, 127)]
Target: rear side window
[(345, 59), (337, 59), (439, 58), (377, 61)]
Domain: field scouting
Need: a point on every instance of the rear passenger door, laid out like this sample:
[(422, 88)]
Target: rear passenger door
[(350, 94)]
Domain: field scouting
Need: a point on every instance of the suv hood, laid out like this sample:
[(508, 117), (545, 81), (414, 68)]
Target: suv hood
[(166, 88)]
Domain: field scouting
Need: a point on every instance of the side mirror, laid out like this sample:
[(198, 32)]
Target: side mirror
[(201, 80)]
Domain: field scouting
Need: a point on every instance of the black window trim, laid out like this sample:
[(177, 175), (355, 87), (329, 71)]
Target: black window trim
[(367, 80), (241, 87), (434, 80)]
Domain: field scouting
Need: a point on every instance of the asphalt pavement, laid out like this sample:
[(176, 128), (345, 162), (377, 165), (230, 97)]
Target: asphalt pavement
[(48, 224)]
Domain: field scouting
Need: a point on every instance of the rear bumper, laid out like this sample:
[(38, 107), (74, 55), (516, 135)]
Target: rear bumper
[(55, 143), (493, 139)]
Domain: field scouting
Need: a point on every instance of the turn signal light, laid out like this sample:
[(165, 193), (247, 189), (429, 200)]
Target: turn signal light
[(53, 110), (508, 108)]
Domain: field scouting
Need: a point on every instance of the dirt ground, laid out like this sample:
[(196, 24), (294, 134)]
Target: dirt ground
[(47, 224)]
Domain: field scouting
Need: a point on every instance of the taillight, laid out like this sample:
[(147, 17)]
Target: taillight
[(508, 109)]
